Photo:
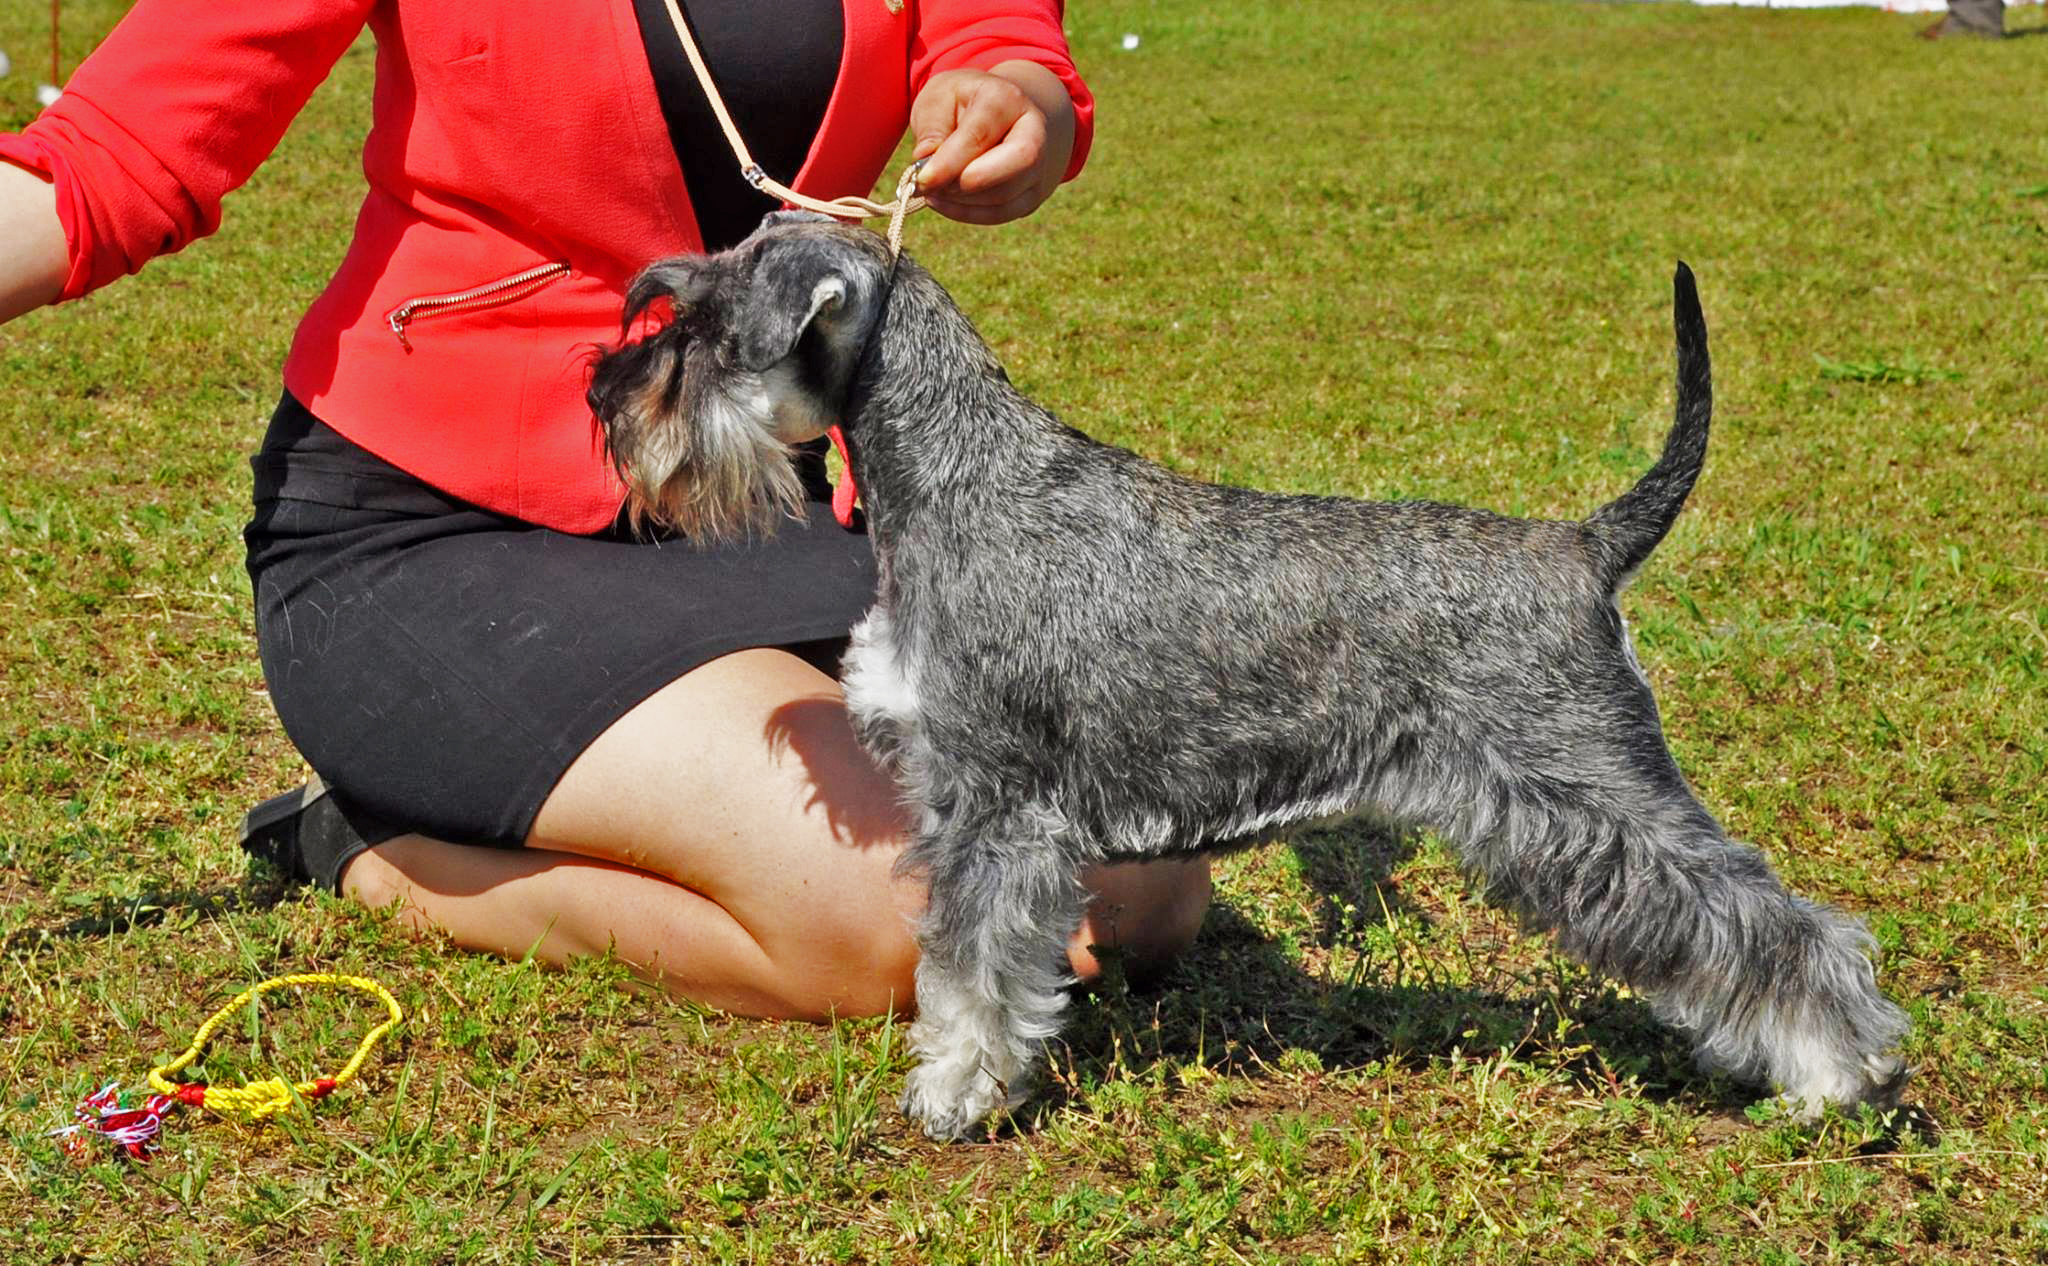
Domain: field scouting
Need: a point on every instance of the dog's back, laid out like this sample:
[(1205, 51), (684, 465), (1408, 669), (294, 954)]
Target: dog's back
[(1128, 630)]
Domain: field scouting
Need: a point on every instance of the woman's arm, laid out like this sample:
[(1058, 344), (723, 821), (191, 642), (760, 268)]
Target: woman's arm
[(174, 109), (33, 258)]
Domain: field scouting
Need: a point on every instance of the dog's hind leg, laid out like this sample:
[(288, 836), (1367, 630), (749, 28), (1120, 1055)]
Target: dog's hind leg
[(992, 969), (1640, 883)]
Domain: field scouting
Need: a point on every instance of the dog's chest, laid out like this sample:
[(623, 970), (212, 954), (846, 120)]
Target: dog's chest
[(880, 683)]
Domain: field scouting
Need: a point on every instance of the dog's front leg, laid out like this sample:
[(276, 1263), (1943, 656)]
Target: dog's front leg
[(992, 971)]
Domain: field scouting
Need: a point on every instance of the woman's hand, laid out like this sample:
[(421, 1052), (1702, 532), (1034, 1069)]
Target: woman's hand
[(996, 142)]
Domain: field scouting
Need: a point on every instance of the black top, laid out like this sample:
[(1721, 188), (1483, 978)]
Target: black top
[(775, 63)]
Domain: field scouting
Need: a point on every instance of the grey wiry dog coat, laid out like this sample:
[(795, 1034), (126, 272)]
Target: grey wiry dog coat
[(1076, 655)]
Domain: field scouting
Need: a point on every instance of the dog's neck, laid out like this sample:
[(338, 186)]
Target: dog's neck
[(930, 410)]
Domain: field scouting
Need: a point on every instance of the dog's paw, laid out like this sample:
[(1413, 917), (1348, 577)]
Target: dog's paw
[(1876, 1080), (951, 1103)]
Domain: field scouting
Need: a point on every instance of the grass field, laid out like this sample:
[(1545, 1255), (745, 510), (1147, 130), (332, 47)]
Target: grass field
[(1389, 249)]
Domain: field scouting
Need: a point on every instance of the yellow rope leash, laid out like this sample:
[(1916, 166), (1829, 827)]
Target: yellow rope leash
[(134, 1127), (267, 1098)]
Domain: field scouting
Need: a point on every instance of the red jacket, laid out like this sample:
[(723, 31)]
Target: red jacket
[(519, 173)]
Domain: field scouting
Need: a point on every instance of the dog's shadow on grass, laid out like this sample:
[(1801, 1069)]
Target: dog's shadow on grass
[(1246, 1002)]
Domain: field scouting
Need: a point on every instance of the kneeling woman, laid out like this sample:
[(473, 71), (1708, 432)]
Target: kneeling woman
[(533, 727)]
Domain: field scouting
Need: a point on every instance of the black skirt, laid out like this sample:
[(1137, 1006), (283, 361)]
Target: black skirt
[(442, 665)]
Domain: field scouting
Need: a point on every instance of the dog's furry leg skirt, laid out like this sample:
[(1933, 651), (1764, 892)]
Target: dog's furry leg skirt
[(992, 970), (1648, 889)]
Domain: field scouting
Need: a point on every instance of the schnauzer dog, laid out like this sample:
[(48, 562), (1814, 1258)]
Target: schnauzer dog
[(1076, 656)]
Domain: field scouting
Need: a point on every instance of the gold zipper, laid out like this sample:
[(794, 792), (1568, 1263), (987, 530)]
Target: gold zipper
[(504, 290)]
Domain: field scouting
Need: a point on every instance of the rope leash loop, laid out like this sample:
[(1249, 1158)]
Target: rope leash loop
[(905, 203), (133, 1127), (847, 208), (267, 1098)]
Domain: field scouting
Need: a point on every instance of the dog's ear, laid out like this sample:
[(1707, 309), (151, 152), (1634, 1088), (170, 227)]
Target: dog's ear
[(633, 385), (798, 282), (685, 281)]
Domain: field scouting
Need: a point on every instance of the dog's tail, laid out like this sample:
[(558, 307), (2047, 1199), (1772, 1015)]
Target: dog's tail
[(1631, 525)]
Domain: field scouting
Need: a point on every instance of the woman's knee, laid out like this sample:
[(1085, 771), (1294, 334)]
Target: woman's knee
[(856, 960), (863, 961), (1147, 913)]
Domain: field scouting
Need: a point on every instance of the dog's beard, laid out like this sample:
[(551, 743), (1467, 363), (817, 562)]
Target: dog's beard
[(702, 453)]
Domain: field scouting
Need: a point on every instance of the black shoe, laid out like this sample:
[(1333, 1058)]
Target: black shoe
[(310, 836)]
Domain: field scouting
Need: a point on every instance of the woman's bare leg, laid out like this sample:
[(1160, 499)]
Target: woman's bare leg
[(559, 907), (729, 838)]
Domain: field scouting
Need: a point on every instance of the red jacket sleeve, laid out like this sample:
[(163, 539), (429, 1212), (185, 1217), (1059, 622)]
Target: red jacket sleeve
[(978, 34), (172, 112)]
